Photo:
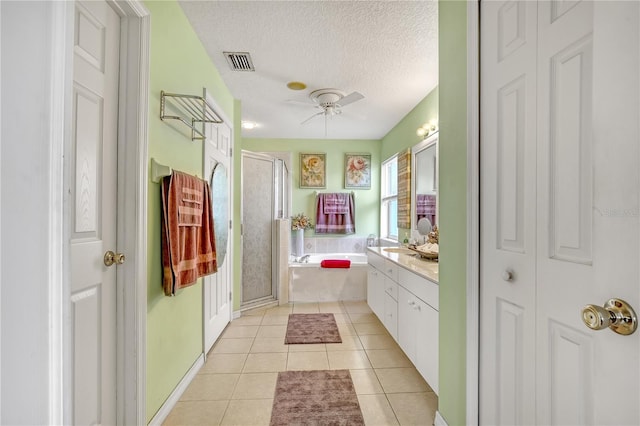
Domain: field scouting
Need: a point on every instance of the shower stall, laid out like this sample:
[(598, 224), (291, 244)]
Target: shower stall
[(266, 198)]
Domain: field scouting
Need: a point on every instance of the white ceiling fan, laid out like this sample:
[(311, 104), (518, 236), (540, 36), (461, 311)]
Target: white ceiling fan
[(331, 101)]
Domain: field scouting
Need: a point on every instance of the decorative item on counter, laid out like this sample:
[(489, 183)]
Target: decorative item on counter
[(434, 235)]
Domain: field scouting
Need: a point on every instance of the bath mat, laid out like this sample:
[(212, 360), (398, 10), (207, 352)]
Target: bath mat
[(312, 328), (316, 397)]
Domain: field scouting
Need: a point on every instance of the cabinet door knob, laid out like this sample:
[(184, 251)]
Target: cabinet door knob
[(507, 275)]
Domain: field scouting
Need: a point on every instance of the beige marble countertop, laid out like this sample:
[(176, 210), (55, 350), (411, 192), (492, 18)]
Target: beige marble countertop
[(409, 260)]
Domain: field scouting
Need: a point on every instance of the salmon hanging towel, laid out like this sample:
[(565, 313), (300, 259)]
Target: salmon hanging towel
[(335, 213), (188, 240)]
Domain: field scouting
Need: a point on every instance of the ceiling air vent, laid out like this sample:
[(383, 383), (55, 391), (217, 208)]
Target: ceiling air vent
[(239, 61)]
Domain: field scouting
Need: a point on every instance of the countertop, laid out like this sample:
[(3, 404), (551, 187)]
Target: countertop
[(411, 261)]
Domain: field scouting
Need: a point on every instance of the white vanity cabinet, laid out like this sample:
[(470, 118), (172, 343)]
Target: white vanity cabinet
[(375, 291), (382, 291), (406, 302), (418, 327)]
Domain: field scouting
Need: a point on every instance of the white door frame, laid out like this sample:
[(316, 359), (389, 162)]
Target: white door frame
[(132, 212), (473, 211)]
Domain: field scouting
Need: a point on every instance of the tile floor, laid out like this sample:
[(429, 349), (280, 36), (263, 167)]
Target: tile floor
[(237, 383)]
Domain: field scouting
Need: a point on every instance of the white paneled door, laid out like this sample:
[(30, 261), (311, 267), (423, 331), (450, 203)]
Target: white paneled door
[(93, 203), (217, 288), (560, 220)]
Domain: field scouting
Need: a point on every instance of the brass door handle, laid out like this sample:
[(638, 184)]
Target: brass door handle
[(110, 258), (616, 314)]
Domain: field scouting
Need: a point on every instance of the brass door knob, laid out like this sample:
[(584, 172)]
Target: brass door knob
[(616, 314), (110, 258)]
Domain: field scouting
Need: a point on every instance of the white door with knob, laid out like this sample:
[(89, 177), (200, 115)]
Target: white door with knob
[(217, 288), (560, 218), (93, 205)]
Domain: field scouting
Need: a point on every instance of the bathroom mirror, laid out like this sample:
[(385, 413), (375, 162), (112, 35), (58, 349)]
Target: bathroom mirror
[(424, 181), (220, 207)]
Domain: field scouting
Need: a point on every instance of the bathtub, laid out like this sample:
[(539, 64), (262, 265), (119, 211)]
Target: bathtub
[(308, 282)]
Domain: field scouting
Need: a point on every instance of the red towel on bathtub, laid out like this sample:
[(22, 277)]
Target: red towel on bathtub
[(335, 263)]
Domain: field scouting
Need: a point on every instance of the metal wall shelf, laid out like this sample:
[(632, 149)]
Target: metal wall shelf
[(194, 109)]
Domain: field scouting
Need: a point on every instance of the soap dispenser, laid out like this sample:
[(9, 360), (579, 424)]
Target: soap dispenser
[(406, 238)]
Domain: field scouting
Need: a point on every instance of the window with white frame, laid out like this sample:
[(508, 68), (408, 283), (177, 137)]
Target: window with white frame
[(389, 195)]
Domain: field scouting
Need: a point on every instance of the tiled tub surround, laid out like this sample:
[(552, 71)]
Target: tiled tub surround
[(354, 244), (402, 290), (309, 282)]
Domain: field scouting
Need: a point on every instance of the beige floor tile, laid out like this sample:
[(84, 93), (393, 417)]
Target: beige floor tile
[(346, 330), (224, 363), (248, 320), (254, 412), (348, 359), (275, 319), (264, 363), (233, 346), (378, 341), (370, 328), (376, 410), (414, 408), (388, 358), (364, 318), (308, 347), (272, 331), (349, 343), (401, 380), (341, 318), (331, 307), (239, 331), (255, 312), (307, 361), (279, 310), (256, 386), (269, 344), (357, 307), (203, 413), (306, 308), (210, 387), (366, 382)]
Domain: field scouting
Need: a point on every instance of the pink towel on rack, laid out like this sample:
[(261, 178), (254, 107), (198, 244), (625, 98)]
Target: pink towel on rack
[(335, 223), (188, 240), (336, 203)]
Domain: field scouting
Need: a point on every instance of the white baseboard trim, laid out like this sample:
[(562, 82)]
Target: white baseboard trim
[(237, 314), (168, 405), (439, 420)]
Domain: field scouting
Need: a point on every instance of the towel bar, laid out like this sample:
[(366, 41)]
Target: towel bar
[(158, 171), (316, 193)]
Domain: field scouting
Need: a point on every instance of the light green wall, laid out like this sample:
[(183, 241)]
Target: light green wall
[(403, 135), (179, 64), (453, 208), (367, 200)]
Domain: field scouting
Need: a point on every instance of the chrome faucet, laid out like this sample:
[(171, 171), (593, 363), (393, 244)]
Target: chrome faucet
[(304, 259)]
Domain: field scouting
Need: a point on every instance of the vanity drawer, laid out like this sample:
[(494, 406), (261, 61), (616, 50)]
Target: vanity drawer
[(376, 261), (391, 288), (390, 269), (424, 289)]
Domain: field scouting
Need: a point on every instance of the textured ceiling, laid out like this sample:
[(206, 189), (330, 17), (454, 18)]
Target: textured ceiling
[(386, 50)]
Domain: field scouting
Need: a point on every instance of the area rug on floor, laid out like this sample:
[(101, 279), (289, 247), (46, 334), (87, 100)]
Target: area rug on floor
[(316, 397), (312, 328)]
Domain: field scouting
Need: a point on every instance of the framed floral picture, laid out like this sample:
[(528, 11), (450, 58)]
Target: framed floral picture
[(357, 173), (313, 171)]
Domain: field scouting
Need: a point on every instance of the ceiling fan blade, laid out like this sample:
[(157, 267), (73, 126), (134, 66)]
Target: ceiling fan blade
[(350, 98), (314, 115)]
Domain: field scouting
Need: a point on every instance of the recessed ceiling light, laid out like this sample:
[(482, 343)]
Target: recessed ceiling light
[(296, 85), (249, 125)]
